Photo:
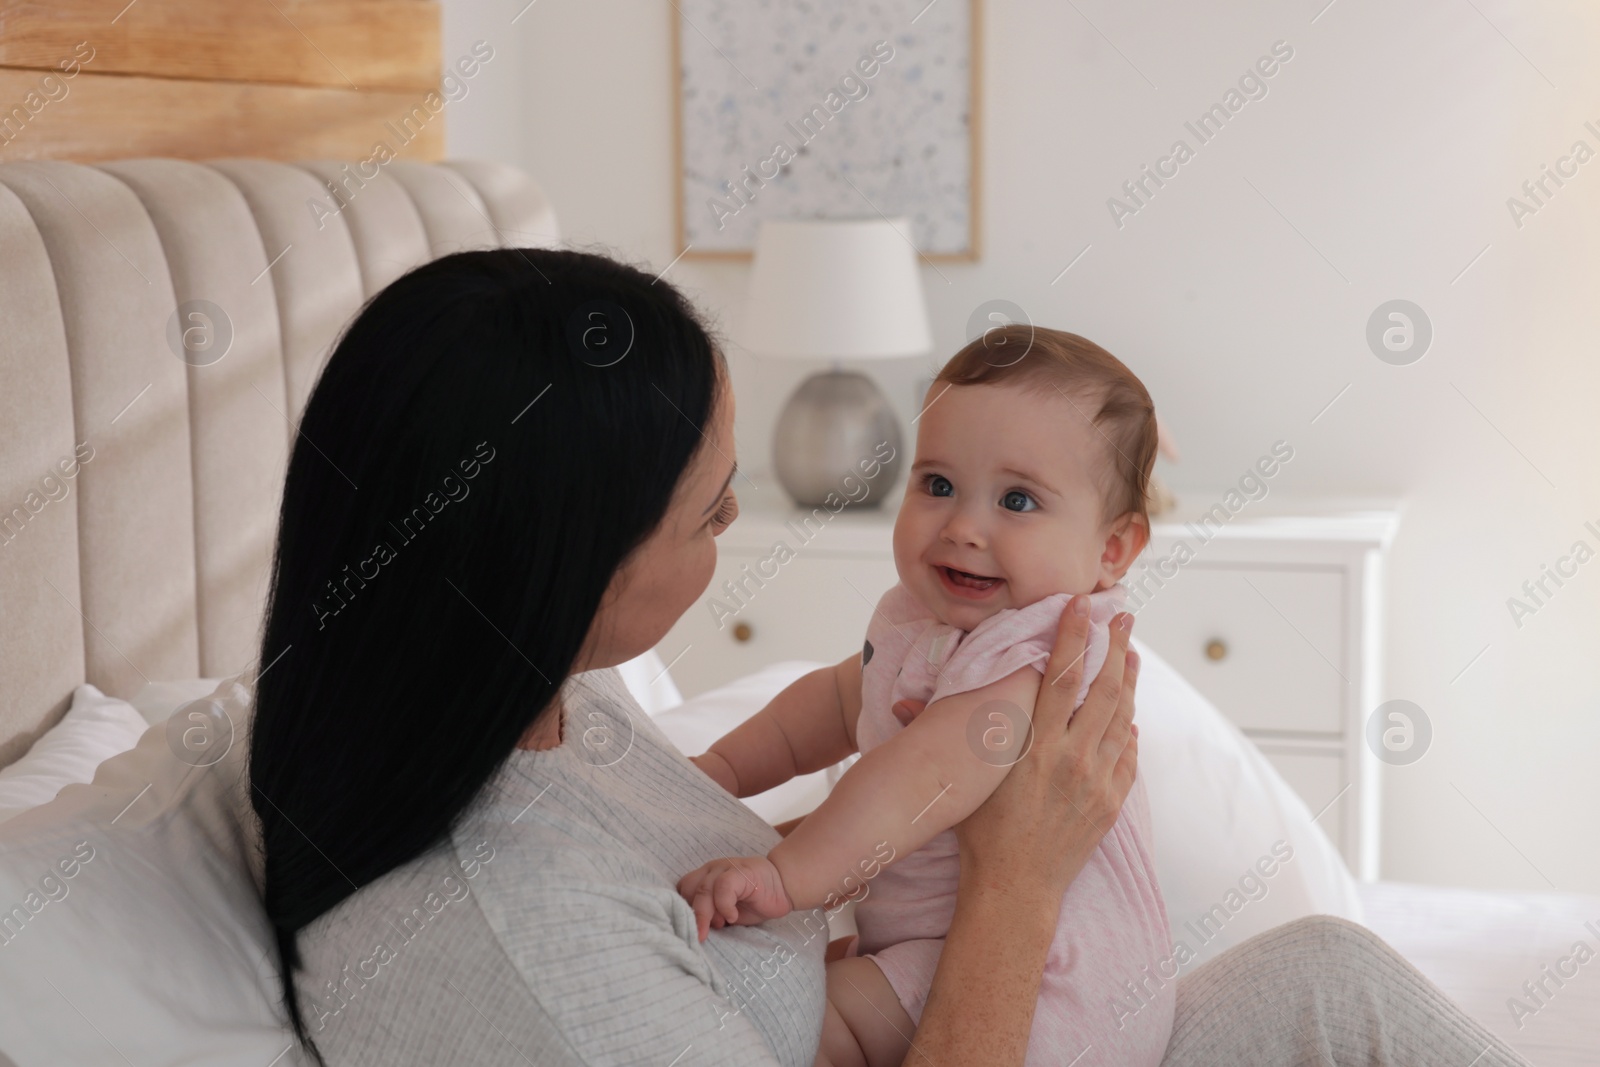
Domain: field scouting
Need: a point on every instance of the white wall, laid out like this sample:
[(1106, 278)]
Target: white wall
[(1390, 142)]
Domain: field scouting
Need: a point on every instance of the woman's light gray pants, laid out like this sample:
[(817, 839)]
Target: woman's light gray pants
[(1322, 991)]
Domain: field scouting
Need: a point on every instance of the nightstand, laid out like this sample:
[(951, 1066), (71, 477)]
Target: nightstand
[(1274, 613), (1277, 618)]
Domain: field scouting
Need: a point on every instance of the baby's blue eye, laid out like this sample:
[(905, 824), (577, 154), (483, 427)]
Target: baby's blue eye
[(939, 485), (1017, 500)]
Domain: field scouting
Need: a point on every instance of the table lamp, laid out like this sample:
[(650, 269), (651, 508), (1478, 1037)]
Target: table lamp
[(838, 290)]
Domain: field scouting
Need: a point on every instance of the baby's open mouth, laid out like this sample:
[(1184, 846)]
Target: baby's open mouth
[(968, 582)]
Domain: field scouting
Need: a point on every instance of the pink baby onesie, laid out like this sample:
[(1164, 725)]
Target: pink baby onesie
[(1113, 928)]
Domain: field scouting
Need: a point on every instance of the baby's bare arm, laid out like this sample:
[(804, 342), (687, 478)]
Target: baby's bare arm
[(921, 782), (808, 726)]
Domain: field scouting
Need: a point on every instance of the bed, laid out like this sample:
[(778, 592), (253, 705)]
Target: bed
[(163, 322), (1483, 947)]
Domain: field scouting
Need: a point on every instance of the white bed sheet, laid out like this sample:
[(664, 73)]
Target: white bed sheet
[(1480, 947)]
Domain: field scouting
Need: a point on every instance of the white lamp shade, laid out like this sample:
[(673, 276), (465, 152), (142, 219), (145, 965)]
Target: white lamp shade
[(836, 290)]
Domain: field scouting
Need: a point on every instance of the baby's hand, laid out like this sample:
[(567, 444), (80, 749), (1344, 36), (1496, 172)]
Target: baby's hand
[(742, 890)]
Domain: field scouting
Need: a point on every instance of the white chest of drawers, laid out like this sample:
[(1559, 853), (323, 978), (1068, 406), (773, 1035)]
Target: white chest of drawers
[(1277, 617), (1274, 613)]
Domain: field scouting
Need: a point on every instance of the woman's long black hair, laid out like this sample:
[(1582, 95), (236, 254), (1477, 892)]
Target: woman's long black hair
[(495, 432)]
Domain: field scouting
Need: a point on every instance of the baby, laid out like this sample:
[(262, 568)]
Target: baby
[(1029, 485)]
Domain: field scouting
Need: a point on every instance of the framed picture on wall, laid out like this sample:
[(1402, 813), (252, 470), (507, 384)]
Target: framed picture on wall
[(792, 109)]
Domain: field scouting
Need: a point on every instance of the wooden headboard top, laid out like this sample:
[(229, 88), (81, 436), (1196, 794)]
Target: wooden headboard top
[(201, 79)]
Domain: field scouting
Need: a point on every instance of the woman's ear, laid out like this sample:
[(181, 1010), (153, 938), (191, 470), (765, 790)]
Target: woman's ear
[(1124, 541)]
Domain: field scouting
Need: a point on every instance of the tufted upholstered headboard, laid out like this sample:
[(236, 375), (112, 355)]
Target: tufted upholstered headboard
[(139, 481)]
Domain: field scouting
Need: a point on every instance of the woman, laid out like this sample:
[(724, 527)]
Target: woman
[(510, 477)]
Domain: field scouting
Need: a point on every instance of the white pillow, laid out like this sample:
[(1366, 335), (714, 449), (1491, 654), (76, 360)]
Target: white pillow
[(95, 728), (695, 723), (131, 928), (1218, 809)]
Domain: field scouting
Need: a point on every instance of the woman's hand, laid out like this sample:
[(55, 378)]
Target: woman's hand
[(1051, 811), (742, 890)]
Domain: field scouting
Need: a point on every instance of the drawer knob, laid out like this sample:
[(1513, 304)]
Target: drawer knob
[(1216, 649), (742, 632)]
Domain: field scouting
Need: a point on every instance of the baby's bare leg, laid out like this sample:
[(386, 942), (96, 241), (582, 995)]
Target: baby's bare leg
[(865, 1026)]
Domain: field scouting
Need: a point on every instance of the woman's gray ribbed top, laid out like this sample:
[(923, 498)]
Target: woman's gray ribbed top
[(551, 933)]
